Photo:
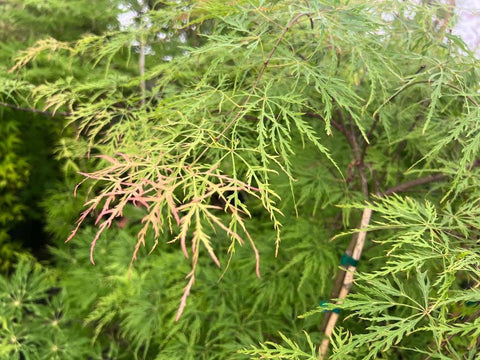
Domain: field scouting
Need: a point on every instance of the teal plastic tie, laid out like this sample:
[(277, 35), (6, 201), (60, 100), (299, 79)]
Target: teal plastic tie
[(348, 260), (325, 302)]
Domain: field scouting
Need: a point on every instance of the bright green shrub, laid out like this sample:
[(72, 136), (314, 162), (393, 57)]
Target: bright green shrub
[(36, 322), (252, 137)]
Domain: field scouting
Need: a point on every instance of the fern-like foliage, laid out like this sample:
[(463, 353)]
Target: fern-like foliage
[(36, 321), (207, 125)]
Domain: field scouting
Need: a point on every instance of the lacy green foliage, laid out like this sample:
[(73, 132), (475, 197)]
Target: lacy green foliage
[(139, 312), (14, 172), (26, 165), (425, 297), (26, 19), (423, 300), (36, 321), (292, 350), (221, 129), (210, 120), (136, 314)]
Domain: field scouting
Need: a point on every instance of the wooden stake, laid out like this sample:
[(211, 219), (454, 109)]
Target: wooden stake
[(347, 280)]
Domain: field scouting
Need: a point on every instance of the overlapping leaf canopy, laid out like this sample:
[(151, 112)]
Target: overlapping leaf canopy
[(208, 112)]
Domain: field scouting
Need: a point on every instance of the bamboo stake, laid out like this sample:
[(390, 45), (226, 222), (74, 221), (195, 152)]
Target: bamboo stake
[(347, 280)]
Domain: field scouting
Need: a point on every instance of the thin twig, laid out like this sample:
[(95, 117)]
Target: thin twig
[(424, 180), (141, 65), (376, 116), (257, 81), (447, 17), (359, 158), (335, 124), (412, 183)]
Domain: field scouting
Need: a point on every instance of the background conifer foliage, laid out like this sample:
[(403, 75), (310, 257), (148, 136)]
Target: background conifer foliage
[(233, 163)]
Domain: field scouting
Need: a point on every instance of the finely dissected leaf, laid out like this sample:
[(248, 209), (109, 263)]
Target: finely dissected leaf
[(290, 350), (200, 127)]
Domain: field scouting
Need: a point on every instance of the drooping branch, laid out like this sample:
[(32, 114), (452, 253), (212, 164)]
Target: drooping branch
[(35, 111)]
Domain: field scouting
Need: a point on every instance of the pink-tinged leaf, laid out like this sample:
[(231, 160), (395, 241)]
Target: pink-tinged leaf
[(185, 224), (87, 175), (127, 159), (141, 200), (217, 221), (157, 214), (73, 233), (94, 242), (151, 182), (173, 208), (183, 244), (105, 209), (213, 256), (109, 159), (186, 292), (83, 215), (151, 218), (104, 212), (140, 241), (153, 247), (105, 225), (77, 186)]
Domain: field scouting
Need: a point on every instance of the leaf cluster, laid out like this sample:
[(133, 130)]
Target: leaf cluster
[(207, 125)]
